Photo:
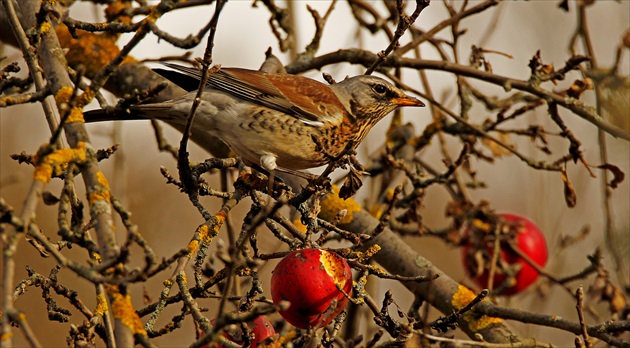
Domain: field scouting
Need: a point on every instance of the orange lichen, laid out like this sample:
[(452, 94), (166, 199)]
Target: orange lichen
[(112, 11), (101, 305), (332, 204), (462, 297), (57, 161), (93, 51), (123, 310)]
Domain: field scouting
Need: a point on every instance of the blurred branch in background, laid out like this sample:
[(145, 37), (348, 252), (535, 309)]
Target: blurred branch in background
[(62, 53)]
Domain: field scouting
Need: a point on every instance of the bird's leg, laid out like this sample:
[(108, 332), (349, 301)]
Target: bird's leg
[(268, 163), (299, 174), (259, 170), (272, 177)]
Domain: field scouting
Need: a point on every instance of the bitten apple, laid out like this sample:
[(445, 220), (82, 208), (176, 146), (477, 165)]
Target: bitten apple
[(477, 255), (310, 280)]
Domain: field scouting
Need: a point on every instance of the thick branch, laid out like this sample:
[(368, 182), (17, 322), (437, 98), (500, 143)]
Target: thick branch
[(365, 58)]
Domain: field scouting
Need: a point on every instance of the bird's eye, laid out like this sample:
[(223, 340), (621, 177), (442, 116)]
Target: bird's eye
[(380, 89)]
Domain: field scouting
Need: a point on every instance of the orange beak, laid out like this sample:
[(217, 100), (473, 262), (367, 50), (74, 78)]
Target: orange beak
[(407, 101)]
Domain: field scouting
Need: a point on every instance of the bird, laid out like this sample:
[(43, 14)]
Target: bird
[(274, 121)]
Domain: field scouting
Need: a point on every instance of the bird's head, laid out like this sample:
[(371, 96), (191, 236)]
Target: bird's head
[(371, 98)]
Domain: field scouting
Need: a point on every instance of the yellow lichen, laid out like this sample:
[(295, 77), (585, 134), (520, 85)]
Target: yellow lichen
[(76, 115), (191, 248), (57, 161), (376, 211), (100, 177), (390, 194), (45, 27), (100, 192), (462, 297), (244, 272), (204, 232), (123, 310), (63, 95), (481, 225), (286, 338), (43, 172), (300, 226), (476, 323), (86, 97), (220, 219), (99, 196), (332, 204), (6, 336), (366, 255), (101, 305)]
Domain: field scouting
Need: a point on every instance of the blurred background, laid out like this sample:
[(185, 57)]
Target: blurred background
[(167, 220)]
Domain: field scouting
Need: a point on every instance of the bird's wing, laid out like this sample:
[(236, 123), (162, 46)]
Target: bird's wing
[(184, 79), (308, 100)]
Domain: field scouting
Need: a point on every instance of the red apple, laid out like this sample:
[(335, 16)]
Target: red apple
[(310, 280), (477, 254), (261, 328)]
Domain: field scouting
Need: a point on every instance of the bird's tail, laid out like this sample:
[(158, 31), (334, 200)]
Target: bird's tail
[(101, 115), (184, 77)]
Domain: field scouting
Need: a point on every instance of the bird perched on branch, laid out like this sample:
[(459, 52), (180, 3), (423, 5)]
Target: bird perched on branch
[(275, 121)]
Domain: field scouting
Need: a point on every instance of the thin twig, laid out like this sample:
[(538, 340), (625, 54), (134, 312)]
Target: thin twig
[(579, 295), (404, 22)]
